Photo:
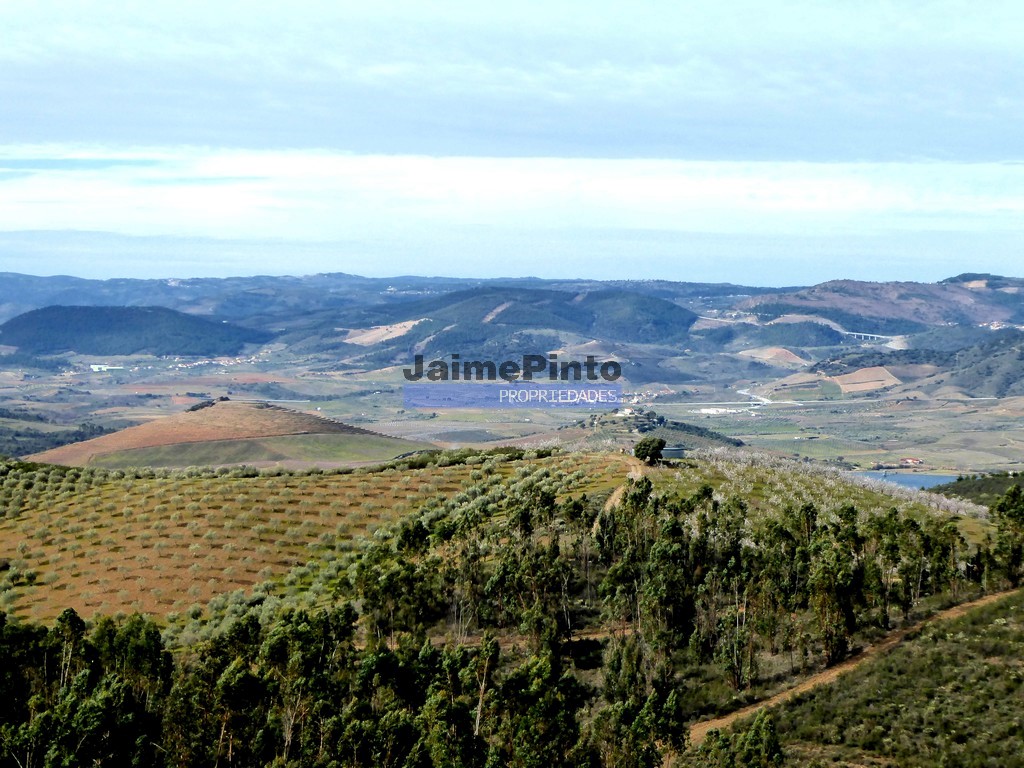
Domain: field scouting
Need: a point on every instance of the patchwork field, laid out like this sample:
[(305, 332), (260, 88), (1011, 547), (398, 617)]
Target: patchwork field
[(866, 380), (957, 434)]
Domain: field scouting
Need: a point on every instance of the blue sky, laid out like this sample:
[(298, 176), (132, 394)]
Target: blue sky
[(773, 143)]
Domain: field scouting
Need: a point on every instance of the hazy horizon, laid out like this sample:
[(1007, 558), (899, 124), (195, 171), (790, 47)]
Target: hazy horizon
[(90, 255)]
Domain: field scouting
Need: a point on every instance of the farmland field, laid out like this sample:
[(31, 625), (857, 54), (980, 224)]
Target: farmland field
[(105, 544)]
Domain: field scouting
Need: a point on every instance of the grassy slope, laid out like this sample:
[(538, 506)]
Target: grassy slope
[(961, 708)]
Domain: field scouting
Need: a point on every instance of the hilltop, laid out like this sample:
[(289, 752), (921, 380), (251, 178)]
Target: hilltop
[(228, 432), (123, 331), (494, 323)]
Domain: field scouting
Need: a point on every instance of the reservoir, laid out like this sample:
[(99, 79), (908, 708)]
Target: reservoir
[(915, 480)]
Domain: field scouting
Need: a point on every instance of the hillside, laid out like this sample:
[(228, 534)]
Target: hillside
[(230, 432), (901, 307), (980, 489), (986, 365), (123, 331), (621, 430), (483, 609), (962, 708), (22, 433), (490, 323)]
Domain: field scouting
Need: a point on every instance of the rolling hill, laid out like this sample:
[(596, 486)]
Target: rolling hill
[(124, 331), (901, 307), (229, 432), (986, 365), (493, 322), (621, 430), (588, 591)]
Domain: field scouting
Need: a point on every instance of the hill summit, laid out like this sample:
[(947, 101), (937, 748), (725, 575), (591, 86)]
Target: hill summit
[(229, 432)]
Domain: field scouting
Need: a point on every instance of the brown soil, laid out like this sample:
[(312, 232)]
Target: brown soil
[(775, 354), (162, 545), (223, 421), (866, 379), (366, 337)]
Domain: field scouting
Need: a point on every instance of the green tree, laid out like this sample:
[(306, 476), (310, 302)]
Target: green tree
[(832, 597), (536, 718), (649, 449), (1009, 548)]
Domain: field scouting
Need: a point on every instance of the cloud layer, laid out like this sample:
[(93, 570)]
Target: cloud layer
[(407, 130), (732, 80)]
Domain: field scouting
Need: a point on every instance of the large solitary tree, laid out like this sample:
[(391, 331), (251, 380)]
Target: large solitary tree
[(649, 449)]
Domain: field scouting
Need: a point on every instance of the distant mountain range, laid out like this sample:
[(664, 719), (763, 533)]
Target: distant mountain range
[(253, 300), (664, 332), (899, 308)]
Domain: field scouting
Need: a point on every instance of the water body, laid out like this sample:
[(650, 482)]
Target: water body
[(915, 480)]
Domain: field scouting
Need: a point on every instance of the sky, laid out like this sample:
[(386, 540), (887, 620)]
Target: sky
[(781, 143)]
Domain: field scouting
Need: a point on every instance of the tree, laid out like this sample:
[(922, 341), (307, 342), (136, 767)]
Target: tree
[(1009, 514), (759, 747), (536, 722), (649, 449), (831, 598)]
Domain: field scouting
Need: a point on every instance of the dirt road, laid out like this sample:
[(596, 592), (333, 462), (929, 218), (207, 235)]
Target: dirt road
[(699, 731)]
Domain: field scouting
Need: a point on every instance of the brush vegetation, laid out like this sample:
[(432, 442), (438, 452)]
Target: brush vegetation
[(962, 709), (453, 609)]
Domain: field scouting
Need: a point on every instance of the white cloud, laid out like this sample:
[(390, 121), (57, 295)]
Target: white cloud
[(438, 128), (316, 196)]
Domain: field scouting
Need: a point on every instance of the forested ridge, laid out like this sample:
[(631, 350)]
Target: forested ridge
[(124, 331), (519, 622)]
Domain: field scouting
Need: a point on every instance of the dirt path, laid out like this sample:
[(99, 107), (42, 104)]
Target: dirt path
[(637, 469), (699, 731)]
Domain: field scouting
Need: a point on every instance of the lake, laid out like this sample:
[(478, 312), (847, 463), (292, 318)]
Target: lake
[(915, 480)]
